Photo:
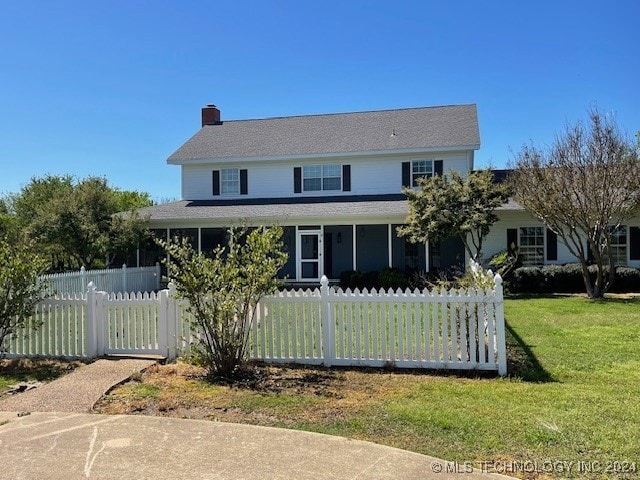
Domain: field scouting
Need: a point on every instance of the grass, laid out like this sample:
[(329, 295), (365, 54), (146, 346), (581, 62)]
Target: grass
[(572, 396)]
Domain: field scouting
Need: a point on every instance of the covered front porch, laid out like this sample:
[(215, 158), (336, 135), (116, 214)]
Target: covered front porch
[(331, 249)]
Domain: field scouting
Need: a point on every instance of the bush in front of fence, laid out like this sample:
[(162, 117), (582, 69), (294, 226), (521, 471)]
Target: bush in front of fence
[(387, 278), (567, 279), (394, 278), (224, 289), (20, 287)]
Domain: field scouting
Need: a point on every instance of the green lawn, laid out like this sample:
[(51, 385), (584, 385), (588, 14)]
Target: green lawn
[(573, 396), (576, 396)]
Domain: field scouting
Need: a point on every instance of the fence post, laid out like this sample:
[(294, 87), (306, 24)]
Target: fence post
[(172, 321), (101, 322), (500, 326), (167, 321), (158, 273), (163, 308), (83, 278), (90, 326), (328, 342), (124, 278)]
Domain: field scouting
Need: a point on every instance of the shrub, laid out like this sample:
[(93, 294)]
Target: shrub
[(527, 279), (20, 289), (627, 280), (392, 278), (567, 279), (224, 290)]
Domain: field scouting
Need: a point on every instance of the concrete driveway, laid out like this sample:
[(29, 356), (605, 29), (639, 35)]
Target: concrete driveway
[(79, 446)]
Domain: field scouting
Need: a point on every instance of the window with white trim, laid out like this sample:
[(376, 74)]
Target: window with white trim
[(229, 181), (321, 177), (531, 246), (618, 245), (419, 169)]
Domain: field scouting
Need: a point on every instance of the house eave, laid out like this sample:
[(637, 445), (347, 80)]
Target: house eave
[(319, 156)]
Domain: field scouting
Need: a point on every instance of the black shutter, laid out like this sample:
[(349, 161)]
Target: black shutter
[(437, 167), (346, 178), (512, 240), (552, 245), (406, 174), (243, 182), (634, 243), (216, 182), (589, 253), (297, 180)]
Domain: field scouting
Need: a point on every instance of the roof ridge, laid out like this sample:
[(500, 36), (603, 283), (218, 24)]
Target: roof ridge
[(349, 113)]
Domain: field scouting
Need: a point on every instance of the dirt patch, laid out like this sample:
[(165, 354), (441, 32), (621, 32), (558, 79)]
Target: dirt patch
[(13, 371), (262, 395), (294, 380)]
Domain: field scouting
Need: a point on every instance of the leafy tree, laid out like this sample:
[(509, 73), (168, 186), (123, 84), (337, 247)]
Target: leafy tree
[(224, 290), (20, 289), (74, 223), (444, 206), (8, 224), (583, 187), (127, 200)]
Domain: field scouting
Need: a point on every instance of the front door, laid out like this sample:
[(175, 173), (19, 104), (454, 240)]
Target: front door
[(310, 254)]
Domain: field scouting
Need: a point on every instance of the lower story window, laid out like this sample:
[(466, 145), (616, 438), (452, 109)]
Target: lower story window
[(531, 246), (618, 245)]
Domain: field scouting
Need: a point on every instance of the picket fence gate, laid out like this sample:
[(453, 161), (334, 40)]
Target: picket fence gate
[(459, 330)]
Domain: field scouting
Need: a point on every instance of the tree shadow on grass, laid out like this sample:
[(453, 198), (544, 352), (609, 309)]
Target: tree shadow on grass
[(521, 361), (613, 298), (42, 369)]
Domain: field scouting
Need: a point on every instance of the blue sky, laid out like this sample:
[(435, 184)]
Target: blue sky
[(112, 88)]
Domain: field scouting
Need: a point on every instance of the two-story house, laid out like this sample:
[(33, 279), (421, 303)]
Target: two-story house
[(333, 182)]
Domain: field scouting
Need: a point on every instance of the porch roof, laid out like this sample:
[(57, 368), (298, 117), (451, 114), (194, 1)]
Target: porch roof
[(278, 209)]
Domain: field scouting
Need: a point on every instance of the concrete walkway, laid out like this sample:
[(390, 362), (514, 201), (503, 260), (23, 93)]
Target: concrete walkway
[(78, 391), (74, 446)]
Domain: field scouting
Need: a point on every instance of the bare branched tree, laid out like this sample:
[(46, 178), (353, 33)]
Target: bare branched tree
[(583, 187)]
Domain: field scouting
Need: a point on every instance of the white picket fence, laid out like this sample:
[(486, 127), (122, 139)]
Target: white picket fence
[(98, 323), (404, 329), (329, 326), (125, 279)]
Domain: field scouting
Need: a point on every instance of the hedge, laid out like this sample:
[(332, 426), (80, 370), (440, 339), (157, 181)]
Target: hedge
[(567, 279)]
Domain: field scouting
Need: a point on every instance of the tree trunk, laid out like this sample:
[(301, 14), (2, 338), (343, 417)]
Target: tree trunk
[(587, 278)]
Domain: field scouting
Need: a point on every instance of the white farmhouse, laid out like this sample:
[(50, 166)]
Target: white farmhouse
[(334, 183)]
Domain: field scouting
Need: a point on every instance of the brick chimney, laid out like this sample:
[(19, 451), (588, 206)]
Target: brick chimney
[(210, 115)]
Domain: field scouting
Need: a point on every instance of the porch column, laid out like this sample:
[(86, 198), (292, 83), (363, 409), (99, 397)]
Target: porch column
[(354, 247), (390, 244), (426, 255)]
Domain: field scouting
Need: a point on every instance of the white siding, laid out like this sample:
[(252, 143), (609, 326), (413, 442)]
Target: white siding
[(496, 241), (273, 179)]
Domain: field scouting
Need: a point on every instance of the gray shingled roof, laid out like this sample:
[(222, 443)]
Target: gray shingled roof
[(279, 210), (186, 210), (384, 130)]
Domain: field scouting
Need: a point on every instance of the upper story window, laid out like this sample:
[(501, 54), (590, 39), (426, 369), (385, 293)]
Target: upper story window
[(229, 181), (415, 169), (321, 177), (419, 169), (531, 246)]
